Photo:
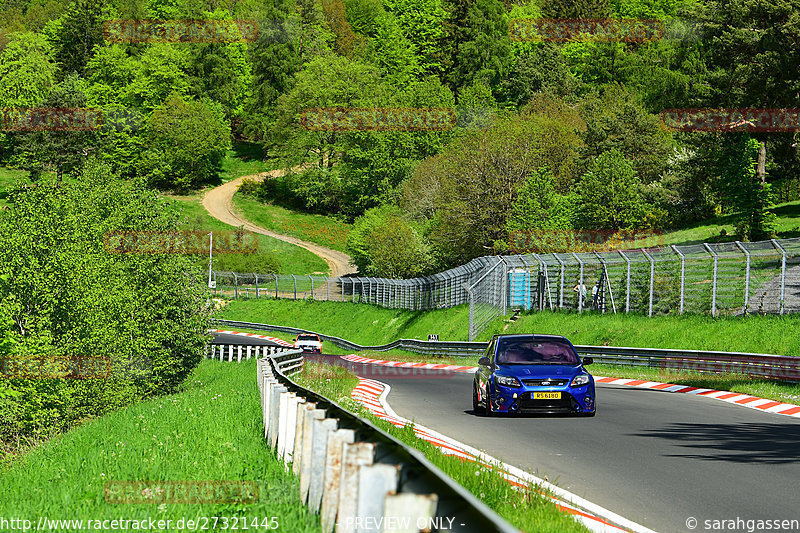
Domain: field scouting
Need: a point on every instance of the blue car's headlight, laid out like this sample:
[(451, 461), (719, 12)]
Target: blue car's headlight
[(507, 381), (580, 380)]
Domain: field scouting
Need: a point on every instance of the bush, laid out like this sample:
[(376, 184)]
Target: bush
[(383, 244), (67, 296)]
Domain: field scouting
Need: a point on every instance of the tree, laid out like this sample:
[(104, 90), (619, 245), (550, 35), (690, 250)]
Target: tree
[(575, 9), (748, 197), (539, 69), (27, 70), (615, 120), (187, 140), (477, 43), (80, 29), (59, 151), (422, 23), (610, 194), (382, 243), (220, 72), (479, 177)]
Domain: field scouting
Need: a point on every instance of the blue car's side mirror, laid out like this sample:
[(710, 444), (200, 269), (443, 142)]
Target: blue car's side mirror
[(484, 361), (587, 361)]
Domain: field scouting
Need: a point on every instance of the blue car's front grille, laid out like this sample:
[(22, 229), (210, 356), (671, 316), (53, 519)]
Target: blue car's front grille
[(544, 382)]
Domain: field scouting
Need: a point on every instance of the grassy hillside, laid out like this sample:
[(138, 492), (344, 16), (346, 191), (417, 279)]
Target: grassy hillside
[(367, 324), (291, 259), (212, 431), (787, 225), (319, 229)]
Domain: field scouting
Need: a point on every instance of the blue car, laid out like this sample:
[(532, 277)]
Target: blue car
[(532, 374)]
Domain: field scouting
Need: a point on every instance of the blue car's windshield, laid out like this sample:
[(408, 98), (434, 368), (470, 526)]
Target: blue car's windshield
[(536, 351)]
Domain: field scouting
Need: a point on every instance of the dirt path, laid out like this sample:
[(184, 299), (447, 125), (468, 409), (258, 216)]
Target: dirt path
[(219, 204)]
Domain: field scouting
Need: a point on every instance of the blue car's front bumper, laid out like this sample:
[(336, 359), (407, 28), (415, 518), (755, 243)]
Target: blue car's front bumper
[(521, 399)]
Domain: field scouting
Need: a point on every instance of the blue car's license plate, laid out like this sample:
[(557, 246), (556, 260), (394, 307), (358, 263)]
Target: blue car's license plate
[(546, 395)]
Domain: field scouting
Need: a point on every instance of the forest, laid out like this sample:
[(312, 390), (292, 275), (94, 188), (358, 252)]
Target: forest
[(550, 134)]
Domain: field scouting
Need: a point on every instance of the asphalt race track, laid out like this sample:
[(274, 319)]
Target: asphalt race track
[(228, 338), (654, 457)]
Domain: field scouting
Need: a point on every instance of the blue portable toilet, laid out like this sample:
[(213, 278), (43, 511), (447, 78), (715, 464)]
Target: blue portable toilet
[(519, 288)]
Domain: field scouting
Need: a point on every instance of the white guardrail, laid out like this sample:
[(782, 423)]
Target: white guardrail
[(354, 475)]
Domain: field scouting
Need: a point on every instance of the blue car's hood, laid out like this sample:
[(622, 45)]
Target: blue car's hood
[(539, 371)]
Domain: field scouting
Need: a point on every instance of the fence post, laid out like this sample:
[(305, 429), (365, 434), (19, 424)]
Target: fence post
[(627, 281), (504, 286), (276, 285), (328, 288), (561, 288), (312, 286), (652, 280), (256, 275), (683, 276), (783, 271), (714, 280), (746, 275), (341, 282), (235, 285), (580, 283), (471, 310)]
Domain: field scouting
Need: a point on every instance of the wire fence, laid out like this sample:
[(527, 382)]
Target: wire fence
[(726, 278)]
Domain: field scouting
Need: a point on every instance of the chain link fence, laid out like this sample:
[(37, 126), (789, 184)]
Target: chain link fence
[(727, 278)]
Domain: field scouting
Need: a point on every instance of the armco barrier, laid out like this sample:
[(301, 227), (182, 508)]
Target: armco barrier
[(768, 366), (356, 476)]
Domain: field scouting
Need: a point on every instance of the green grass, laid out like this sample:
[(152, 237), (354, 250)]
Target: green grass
[(527, 510), (787, 225), (211, 431), (244, 159), (363, 324), (368, 324), (8, 177), (291, 259), (318, 229)]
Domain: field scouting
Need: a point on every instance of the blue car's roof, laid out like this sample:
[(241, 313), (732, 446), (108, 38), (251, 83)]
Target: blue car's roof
[(531, 336)]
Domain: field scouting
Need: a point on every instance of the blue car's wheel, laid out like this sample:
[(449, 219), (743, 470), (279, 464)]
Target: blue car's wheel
[(476, 408)]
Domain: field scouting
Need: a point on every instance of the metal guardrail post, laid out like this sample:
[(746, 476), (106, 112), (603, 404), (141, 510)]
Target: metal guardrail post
[(783, 271), (561, 283), (683, 275), (652, 279), (581, 287), (746, 275), (714, 279), (627, 281)]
